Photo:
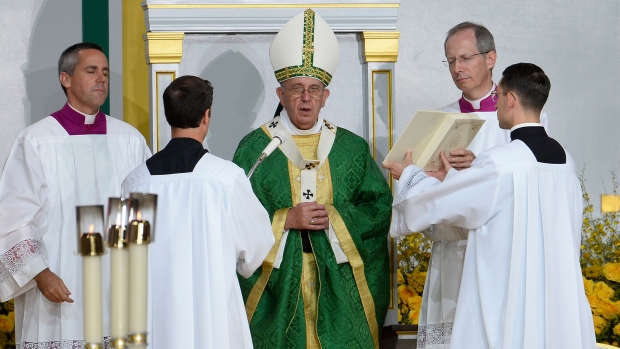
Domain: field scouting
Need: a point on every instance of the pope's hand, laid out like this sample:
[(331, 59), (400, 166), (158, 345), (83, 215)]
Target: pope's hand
[(52, 287), (397, 168), (307, 216)]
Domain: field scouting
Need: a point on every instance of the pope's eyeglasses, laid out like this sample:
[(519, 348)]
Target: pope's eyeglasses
[(297, 91)]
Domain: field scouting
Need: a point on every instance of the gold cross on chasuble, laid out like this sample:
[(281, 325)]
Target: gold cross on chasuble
[(610, 203)]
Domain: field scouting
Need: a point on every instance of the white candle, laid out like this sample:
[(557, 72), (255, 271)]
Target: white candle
[(138, 280), (119, 292), (93, 313)]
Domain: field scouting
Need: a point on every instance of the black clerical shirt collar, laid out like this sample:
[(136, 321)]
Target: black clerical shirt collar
[(546, 149), (179, 156), (524, 130), (525, 124)]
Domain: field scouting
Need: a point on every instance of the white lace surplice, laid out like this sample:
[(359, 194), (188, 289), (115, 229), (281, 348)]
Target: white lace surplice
[(47, 175)]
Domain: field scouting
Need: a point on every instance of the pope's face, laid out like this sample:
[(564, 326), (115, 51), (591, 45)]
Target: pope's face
[(471, 71), (87, 88), (303, 111)]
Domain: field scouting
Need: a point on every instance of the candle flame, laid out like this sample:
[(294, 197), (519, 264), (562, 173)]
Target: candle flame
[(138, 216), (91, 229)]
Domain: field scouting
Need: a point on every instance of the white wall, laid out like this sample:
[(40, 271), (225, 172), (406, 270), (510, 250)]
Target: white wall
[(576, 43), (33, 34)]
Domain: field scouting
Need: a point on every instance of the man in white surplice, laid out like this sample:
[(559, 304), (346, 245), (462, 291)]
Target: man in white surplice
[(470, 57), (209, 225), (521, 285), (76, 156)]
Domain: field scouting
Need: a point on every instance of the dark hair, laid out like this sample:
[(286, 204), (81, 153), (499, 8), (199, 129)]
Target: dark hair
[(69, 58), (529, 83), (484, 38), (186, 100)]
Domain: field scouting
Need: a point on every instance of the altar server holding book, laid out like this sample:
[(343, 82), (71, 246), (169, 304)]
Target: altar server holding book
[(521, 285), (470, 59)]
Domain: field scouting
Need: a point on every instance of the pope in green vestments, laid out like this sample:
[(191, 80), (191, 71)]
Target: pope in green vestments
[(352, 298), (326, 281)]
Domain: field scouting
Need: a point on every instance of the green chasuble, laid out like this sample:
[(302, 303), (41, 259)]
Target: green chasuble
[(352, 297)]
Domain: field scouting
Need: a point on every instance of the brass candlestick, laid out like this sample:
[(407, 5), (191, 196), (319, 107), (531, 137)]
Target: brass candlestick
[(119, 214), (90, 247), (140, 234)]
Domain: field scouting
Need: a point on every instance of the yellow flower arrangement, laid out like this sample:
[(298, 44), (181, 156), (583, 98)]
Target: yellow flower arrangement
[(603, 291), (599, 324), (414, 316), (405, 292), (600, 266), (7, 325), (617, 330), (612, 271), (413, 254), (588, 285)]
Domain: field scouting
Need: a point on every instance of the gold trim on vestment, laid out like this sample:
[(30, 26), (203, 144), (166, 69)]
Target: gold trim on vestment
[(309, 294), (325, 197), (279, 218), (308, 146), (264, 128), (357, 265)]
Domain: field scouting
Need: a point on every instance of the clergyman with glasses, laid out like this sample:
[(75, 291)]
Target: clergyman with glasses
[(521, 283), (326, 282), (470, 58)]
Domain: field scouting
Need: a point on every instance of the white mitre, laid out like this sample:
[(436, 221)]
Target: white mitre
[(305, 47)]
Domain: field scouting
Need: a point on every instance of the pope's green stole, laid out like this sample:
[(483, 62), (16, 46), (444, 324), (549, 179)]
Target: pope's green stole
[(352, 297)]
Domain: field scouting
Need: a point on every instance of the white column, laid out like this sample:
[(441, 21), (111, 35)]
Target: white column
[(163, 54), (380, 54)]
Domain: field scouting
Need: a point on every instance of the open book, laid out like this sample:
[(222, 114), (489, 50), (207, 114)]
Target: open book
[(431, 131)]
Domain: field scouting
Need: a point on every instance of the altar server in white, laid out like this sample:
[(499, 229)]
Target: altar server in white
[(521, 285), (470, 57), (209, 225), (76, 156)]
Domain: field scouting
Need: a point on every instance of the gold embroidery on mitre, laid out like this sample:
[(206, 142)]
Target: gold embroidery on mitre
[(297, 71), (307, 67)]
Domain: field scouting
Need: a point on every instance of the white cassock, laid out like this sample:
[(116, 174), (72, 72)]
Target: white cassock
[(443, 277), (47, 174), (521, 284), (209, 225)]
